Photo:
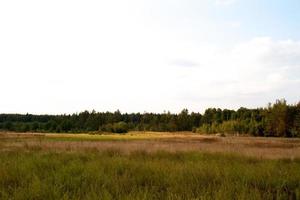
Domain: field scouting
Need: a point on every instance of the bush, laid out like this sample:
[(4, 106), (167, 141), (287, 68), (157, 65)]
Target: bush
[(120, 127)]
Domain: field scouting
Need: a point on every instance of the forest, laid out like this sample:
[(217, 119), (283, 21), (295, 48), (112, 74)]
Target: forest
[(278, 119)]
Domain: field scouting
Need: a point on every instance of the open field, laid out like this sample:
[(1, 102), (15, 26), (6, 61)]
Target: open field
[(259, 147), (148, 166)]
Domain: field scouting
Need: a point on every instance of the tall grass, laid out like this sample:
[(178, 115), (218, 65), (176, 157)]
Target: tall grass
[(37, 174)]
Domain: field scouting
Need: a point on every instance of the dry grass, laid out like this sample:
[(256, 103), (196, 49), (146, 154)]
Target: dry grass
[(270, 148), (147, 166)]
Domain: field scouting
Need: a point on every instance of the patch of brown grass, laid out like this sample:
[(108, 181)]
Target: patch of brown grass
[(270, 148)]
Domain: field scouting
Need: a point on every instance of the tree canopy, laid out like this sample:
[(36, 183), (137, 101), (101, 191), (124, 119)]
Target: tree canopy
[(278, 119)]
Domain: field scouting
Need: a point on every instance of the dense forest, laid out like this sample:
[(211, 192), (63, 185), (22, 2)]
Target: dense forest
[(279, 119)]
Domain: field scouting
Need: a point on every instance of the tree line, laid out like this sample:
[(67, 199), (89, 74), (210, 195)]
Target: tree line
[(278, 119)]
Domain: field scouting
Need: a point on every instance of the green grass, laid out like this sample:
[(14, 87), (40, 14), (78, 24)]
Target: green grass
[(132, 136), (37, 174), (106, 136)]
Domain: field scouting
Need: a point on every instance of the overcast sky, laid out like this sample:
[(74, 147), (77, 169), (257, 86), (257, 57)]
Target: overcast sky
[(66, 56)]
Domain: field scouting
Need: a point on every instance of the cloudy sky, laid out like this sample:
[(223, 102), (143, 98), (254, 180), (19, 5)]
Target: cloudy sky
[(66, 56)]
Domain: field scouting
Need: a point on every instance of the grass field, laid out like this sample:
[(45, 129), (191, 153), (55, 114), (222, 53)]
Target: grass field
[(148, 166)]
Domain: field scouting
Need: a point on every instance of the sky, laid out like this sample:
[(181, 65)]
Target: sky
[(67, 56)]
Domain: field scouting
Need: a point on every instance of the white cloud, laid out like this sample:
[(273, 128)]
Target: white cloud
[(234, 24), (225, 2), (251, 73)]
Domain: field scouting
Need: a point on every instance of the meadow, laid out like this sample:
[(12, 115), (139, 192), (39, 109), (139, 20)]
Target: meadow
[(148, 165)]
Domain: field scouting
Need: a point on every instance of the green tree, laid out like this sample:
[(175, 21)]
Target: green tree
[(184, 121), (120, 127), (277, 119)]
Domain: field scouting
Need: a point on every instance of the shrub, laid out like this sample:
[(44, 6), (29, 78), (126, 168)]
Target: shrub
[(120, 127)]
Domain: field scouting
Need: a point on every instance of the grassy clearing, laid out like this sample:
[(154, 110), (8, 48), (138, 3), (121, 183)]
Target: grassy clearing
[(111, 174), (264, 148), (147, 166), (118, 137), (134, 135)]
